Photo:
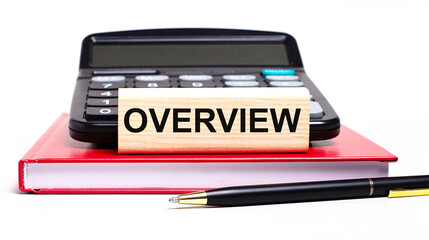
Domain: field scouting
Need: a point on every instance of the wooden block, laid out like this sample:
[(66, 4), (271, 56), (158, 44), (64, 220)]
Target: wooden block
[(213, 120)]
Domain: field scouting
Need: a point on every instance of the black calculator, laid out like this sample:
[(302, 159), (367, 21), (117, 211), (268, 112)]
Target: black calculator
[(185, 58)]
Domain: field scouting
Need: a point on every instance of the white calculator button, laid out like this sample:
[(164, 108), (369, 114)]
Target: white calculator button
[(282, 78), (108, 79), (189, 84), (197, 84), (316, 110), (152, 78), (239, 77), (157, 84), (241, 83), (195, 77), (286, 84)]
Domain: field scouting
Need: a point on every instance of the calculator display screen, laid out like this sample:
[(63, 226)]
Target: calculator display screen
[(189, 54)]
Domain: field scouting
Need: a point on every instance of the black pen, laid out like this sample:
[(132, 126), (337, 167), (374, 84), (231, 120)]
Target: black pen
[(309, 191)]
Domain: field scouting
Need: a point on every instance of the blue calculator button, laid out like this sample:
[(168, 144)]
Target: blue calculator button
[(278, 72)]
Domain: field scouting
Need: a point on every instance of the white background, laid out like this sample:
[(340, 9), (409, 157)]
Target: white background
[(369, 58)]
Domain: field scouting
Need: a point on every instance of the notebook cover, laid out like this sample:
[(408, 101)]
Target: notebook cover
[(56, 146)]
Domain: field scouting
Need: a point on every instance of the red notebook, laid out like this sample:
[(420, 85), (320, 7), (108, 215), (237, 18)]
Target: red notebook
[(59, 164)]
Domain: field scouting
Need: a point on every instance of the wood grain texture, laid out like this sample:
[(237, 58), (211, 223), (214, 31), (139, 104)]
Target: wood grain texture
[(207, 141)]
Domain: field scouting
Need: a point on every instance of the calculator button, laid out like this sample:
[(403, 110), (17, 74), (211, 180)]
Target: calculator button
[(195, 78), (188, 84), (316, 110), (103, 94), (160, 84), (100, 102), (197, 84), (241, 83), (286, 84), (267, 72), (107, 85), (152, 78), (239, 77), (282, 78), (102, 113), (108, 79)]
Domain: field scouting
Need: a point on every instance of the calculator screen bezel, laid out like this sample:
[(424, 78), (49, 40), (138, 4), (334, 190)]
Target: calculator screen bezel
[(190, 36)]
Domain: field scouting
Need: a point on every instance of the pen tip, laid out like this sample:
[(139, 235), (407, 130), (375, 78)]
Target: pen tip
[(174, 200)]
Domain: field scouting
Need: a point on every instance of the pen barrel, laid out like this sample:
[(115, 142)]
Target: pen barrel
[(292, 192), (313, 191), (382, 186)]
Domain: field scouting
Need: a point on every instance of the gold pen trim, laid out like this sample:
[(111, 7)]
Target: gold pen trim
[(196, 198), (401, 192), (371, 185)]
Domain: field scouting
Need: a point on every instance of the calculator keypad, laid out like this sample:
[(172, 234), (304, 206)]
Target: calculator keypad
[(102, 99)]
